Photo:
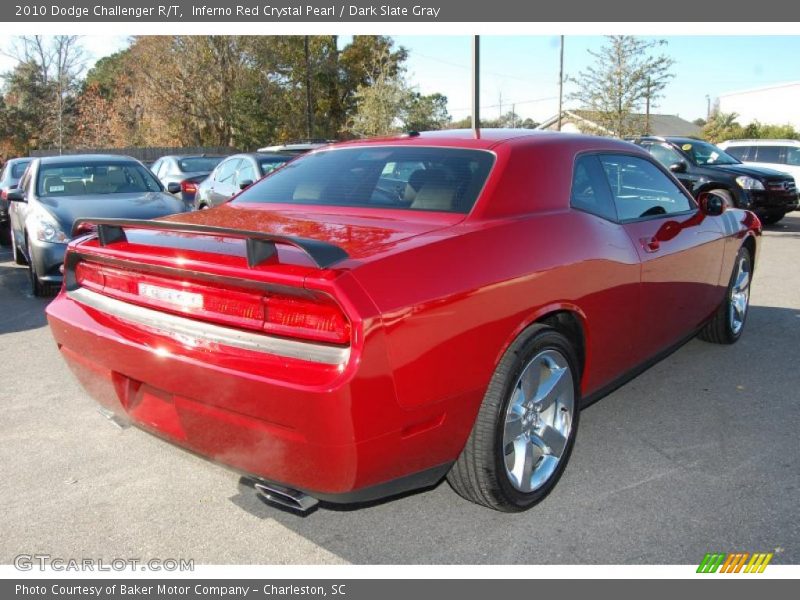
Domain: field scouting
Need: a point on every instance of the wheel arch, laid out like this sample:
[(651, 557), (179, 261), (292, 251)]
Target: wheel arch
[(566, 318)]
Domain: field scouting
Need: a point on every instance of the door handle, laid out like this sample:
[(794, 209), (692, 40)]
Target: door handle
[(650, 244)]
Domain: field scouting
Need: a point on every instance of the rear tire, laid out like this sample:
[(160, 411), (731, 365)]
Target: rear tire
[(727, 324), (523, 435)]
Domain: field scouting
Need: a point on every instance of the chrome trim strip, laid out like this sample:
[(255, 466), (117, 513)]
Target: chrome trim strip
[(208, 332)]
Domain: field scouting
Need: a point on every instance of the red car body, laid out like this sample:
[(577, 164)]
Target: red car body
[(430, 301)]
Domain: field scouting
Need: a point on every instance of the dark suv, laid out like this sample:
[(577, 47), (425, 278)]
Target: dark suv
[(703, 167)]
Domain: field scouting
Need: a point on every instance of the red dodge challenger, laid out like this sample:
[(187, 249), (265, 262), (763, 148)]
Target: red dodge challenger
[(380, 314)]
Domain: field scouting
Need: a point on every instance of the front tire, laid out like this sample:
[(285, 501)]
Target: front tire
[(5, 234), (726, 196), (38, 288), (19, 257), (727, 324), (525, 429), (772, 218)]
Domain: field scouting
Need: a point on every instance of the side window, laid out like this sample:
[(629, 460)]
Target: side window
[(246, 173), (743, 153), (25, 182), (227, 170), (793, 156), (664, 154), (768, 154), (590, 191), (640, 189)]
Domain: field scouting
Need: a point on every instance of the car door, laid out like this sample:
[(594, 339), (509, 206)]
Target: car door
[(246, 173), (680, 250), (18, 211), (672, 160), (223, 185)]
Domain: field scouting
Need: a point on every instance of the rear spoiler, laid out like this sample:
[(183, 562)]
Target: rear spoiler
[(260, 246)]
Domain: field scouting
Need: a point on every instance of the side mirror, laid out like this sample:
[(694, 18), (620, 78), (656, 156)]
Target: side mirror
[(173, 187), (711, 204), (15, 195), (678, 167), (245, 184)]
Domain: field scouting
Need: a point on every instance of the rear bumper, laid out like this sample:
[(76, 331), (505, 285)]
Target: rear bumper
[(332, 433)]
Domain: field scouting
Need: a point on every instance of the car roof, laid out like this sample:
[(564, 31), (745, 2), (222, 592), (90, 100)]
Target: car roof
[(488, 139), (761, 142), (258, 155), (87, 159)]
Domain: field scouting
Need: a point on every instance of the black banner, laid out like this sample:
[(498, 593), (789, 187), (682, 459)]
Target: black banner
[(398, 11)]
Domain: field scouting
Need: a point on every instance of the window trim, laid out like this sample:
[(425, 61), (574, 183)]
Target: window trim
[(646, 156), (578, 156)]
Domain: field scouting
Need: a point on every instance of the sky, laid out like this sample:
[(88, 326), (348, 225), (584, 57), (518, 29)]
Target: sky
[(522, 71)]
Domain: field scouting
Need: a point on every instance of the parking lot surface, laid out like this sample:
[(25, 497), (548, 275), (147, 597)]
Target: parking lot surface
[(699, 454)]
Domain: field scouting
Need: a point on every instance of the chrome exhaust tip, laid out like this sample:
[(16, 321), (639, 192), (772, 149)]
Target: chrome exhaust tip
[(286, 497)]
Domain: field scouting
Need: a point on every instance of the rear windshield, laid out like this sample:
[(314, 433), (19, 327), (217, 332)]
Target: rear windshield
[(199, 163), (97, 178), (434, 179), (18, 169)]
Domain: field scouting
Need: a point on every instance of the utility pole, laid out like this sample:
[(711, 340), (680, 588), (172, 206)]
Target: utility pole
[(560, 83), (309, 111), (647, 107), (476, 83), (708, 107), (513, 116)]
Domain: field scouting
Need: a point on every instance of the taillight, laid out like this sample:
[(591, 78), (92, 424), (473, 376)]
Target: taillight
[(317, 319), (313, 320), (188, 186), (4, 194)]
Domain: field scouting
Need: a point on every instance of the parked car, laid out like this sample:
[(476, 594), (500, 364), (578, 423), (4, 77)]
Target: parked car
[(9, 177), (342, 342), (55, 191), (781, 155), (234, 174), (704, 167), (181, 175)]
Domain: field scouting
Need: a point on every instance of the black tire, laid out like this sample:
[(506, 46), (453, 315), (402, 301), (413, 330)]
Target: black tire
[(5, 234), (719, 330), (19, 257), (480, 474), (39, 288), (726, 196), (772, 218)]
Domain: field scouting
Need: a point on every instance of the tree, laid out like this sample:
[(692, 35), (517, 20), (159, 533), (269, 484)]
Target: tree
[(425, 113), (624, 78), (379, 103), (722, 126), (55, 64)]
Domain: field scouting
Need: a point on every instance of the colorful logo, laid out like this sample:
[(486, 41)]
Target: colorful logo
[(737, 562)]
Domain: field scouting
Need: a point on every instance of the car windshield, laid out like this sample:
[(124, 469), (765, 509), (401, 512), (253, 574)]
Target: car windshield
[(18, 169), (76, 179), (437, 179), (198, 163), (268, 165), (703, 153)]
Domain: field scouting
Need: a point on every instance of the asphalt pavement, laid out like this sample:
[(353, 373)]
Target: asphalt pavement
[(698, 454)]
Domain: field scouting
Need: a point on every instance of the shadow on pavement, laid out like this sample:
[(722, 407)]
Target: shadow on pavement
[(665, 467), (20, 310)]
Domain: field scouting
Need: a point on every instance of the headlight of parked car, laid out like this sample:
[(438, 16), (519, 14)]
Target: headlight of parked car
[(45, 228), (749, 183)]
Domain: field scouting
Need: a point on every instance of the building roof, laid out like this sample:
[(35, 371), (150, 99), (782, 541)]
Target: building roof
[(659, 124)]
